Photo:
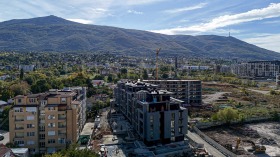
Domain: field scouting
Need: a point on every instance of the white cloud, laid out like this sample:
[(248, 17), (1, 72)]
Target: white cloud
[(273, 10), (267, 41), (178, 10), (272, 22), (134, 12), (83, 21)]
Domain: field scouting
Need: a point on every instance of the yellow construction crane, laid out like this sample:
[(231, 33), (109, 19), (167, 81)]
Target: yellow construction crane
[(157, 52)]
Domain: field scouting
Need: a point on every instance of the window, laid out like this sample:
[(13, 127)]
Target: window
[(51, 133), (180, 115), (51, 117), (42, 136), (30, 125), (32, 150), (30, 133), (31, 109), (172, 132), (42, 128), (20, 143), (32, 100), (63, 99), (30, 142), (180, 130), (18, 109), (19, 100), (151, 119), (30, 117), (51, 108), (172, 124), (172, 116), (51, 125), (61, 140), (42, 144), (50, 141)]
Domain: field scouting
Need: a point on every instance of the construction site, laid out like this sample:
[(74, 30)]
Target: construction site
[(262, 139)]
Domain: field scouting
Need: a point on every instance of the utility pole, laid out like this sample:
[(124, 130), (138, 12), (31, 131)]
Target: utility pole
[(157, 52)]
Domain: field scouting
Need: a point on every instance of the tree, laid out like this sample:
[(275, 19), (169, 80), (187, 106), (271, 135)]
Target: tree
[(20, 88), (227, 115), (40, 86), (145, 74), (164, 76), (110, 78), (21, 74)]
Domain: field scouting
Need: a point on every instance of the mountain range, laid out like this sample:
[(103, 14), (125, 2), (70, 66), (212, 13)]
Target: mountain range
[(53, 33)]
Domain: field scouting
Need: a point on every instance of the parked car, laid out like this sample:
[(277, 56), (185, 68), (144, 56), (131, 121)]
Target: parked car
[(1, 137)]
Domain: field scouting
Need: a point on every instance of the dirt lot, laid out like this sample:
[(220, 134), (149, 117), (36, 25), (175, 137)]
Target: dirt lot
[(266, 134)]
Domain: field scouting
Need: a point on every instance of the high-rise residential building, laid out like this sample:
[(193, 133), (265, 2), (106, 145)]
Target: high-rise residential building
[(188, 91), (47, 122), (257, 69), (153, 113)]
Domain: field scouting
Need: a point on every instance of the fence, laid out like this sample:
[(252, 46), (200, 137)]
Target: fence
[(214, 143)]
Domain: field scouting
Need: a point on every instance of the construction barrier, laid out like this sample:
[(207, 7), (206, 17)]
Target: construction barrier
[(214, 143)]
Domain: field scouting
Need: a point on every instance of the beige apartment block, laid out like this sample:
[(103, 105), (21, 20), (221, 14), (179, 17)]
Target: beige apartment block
[(47, 122)]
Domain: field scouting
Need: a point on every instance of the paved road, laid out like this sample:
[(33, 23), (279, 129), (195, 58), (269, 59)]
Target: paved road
[(207, 146), (6, 137)]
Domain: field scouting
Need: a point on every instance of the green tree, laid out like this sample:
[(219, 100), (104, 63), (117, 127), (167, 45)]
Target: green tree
[(145, 74), (21, 74), (227, 115), (40, 86), (110, 78)]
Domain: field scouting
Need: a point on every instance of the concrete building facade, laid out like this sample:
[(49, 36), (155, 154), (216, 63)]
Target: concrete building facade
[(188, 91), (47, 122), (257, 69), (153, 113)]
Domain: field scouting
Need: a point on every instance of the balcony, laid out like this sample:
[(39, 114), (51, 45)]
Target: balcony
[(19, 136), (61, 126), (19, 128)]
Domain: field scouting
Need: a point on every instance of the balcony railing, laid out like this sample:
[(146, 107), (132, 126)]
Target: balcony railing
[(19, 136), (62, 126)]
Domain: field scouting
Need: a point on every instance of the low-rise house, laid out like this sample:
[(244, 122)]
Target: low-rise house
[(97, 82), (3, 104)]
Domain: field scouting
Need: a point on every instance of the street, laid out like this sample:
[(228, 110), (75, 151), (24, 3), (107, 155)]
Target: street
[(6, 137), (207, 146)]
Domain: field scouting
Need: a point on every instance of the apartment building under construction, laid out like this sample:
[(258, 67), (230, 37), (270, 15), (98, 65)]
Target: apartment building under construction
[(188, 91), (48, 122), (153, 113)]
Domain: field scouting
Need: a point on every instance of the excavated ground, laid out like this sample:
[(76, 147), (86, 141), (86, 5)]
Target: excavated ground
[(266, 134)]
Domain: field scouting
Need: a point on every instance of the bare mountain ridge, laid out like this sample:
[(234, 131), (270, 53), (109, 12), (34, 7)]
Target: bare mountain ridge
[(52, 33)]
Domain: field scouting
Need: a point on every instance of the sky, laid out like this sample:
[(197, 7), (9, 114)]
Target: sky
[(254, 21)]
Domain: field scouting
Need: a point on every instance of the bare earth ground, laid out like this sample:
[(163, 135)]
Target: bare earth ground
[(267, 134)]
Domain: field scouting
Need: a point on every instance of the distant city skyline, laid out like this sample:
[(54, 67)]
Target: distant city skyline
[(256, 22)]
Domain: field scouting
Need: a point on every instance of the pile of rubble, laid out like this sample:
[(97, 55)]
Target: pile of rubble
[(266, 141)]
